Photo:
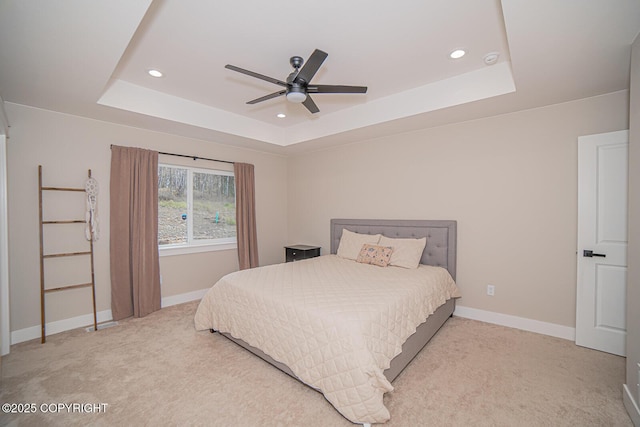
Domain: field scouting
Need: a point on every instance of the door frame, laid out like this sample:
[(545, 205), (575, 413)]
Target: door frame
[(5, 331), (5, 318)]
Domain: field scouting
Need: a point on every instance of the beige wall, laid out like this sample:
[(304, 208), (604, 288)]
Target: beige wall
[(66, 146), (633, 255), (510, 182)]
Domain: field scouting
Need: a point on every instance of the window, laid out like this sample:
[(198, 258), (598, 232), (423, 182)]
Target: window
[(196, 209)]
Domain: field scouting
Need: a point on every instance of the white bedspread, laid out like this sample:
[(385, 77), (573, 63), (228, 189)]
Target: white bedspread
[(336, 323)]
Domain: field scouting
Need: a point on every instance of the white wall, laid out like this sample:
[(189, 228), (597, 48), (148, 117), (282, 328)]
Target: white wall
[(67, 146), (510, 181)]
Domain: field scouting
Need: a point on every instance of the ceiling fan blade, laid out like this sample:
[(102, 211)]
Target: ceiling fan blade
[(266, 97), (256, 75), (311, 106), (310, 68), (336, 89)]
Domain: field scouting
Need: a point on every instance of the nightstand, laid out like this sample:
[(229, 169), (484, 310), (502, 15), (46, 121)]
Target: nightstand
[(298, 252)]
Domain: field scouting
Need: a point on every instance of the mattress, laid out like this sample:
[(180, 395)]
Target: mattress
[(335, 323)]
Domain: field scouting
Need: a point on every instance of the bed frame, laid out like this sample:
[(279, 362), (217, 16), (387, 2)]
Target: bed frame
[(440, 251)]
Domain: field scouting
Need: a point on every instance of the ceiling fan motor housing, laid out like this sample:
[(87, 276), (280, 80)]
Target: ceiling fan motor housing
[(296, 62)]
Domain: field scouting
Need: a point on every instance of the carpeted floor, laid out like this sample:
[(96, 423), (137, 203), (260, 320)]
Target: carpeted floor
[(159, 371)]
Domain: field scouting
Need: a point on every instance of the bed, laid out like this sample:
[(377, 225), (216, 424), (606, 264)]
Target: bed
[(331, 322)]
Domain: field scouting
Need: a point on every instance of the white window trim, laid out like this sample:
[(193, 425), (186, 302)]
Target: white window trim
[(171, 250), (225, 244)]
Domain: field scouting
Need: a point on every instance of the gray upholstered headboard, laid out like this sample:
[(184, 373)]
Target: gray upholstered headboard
[(441, 236)]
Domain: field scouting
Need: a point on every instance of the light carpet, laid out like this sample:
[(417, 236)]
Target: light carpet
[(159, 371)]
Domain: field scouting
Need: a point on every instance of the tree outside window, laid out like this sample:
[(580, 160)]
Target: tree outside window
[(195, 207)]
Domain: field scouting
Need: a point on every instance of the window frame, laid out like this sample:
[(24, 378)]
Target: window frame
[(201, 245)]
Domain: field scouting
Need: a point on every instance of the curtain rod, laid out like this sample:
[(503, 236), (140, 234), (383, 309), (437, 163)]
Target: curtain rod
[(192, 157), (196, 157)]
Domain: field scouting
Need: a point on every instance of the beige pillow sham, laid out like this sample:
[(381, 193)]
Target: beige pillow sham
[(406, 252), (351, 243)]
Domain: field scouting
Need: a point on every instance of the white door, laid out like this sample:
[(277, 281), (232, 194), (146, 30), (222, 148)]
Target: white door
[(602, 242)]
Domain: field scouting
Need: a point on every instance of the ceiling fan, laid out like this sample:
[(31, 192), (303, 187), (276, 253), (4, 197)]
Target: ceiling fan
[(298, 85)]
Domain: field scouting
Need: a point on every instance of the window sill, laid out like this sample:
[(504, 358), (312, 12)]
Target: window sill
[(183, 250)]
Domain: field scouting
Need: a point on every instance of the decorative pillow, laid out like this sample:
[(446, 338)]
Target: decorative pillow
[(406, 252), (374, 254), (351, 243)]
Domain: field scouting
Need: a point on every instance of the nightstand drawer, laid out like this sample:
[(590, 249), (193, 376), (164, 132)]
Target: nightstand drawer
[(298, 252)]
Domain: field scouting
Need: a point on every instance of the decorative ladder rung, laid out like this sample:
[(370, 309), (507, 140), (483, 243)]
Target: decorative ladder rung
[(62, 189), (66, 254), (64, 288), (44, 290)]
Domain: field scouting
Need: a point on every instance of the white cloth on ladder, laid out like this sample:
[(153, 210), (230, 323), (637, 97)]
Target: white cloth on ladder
[(92, 229)]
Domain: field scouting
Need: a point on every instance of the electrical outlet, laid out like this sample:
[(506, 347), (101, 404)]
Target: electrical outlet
[(491, 290)]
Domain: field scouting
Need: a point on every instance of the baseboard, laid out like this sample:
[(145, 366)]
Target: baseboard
[(630, 405), (516, 322), (182, 298), (26, 334), (58, 326)]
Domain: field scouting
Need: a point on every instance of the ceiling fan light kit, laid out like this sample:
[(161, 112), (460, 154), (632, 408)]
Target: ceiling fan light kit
[(297, 87), (296, 94)]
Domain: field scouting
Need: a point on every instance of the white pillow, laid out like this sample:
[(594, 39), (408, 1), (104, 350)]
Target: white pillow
[(406, 252), (351, 243)]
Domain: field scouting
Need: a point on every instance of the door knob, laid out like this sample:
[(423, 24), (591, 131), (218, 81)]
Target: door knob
[(590, 254)]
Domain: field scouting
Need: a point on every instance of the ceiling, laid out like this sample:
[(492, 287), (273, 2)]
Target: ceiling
[(91, 59)]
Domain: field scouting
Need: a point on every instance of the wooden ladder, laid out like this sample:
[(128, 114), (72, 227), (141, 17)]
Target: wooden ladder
[(43, 256)]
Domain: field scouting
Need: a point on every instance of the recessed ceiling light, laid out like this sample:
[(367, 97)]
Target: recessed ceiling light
[(456, 54), (155, 73), (281, 115)]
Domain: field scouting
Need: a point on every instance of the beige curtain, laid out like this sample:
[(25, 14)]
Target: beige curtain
[(135, 267), (246, 216)]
